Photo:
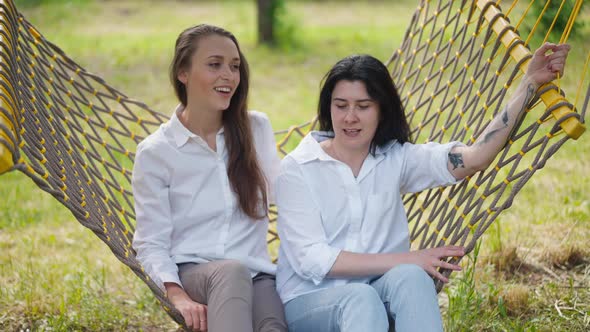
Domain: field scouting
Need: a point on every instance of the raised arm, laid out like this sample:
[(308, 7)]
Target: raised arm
[(466, 160)]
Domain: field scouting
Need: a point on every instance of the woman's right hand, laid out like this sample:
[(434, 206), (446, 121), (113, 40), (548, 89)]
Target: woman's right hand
[(432, 259), (194, 313)]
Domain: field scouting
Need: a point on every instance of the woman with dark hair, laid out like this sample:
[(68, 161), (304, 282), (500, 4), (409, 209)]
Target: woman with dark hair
[(344, 261), (201, 187)]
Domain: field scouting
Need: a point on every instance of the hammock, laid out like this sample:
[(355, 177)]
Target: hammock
[(75, 136)]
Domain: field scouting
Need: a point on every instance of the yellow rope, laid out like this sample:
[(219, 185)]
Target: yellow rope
[(528, 39), (507, 13), (553, 23), (524, 14), (570, 22), (582, 78)]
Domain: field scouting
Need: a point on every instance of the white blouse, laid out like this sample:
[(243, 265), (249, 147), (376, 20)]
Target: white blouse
[(324, 209), (186, 209)]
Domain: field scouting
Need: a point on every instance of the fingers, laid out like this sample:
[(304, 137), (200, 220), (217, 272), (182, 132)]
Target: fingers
[(562, 47), (453, 247), (551, 47), (196, 324), (559, 53), (202, 310), (541, 51), (450, 251), (449, 266), (188, 318), (195, 317), (558, 58), (434, 272)]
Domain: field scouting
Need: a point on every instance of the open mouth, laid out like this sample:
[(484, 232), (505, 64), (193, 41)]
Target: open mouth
[(351, 132), (223, 90)]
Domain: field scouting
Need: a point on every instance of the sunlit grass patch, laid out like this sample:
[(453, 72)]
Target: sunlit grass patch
[(567, 256), (58, 276)]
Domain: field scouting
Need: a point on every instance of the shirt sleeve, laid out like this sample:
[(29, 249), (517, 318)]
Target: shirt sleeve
[(152, 236), (266, 148), (424, 166), (303, 239)]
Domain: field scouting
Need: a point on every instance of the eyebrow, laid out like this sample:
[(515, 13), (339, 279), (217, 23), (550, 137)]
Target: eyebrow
[(222, 57), (358, 100)]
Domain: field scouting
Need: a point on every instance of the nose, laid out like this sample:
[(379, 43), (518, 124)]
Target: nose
[(226, 73), (351, 116)]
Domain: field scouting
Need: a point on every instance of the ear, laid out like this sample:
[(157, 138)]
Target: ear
[(182, 76)]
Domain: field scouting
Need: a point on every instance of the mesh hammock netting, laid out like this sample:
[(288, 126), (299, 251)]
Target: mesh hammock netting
[(75, 136)]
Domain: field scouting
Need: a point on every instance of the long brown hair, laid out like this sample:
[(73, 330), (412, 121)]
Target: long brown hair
[(243, 170)]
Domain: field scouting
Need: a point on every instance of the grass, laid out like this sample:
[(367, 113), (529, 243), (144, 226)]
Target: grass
[(532, 272)]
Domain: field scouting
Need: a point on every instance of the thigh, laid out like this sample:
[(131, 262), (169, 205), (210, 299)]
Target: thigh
[(198, 279), (267, 311), (194, 278), (410, 298), (351, 307), (317, 311), (404, 282)]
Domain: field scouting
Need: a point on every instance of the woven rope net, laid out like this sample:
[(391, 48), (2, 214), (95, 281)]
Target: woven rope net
[(75, 136)]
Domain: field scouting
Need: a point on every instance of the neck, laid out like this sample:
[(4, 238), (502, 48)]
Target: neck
[(201, 122), (354, 158)]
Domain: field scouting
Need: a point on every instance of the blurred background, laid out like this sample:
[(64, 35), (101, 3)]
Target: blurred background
[(531, 274)]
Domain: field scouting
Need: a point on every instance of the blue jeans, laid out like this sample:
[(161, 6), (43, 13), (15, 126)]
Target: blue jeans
[(405, 294)]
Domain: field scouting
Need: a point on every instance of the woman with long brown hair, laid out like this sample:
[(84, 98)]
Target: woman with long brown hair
[(201, 184)]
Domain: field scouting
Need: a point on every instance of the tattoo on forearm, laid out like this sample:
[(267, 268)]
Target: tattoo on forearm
[(530, 92), (457, 160), (491, 134), (505, 118)]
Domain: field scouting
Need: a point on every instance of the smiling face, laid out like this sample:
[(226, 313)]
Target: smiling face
[(355, 116), (213, 74)]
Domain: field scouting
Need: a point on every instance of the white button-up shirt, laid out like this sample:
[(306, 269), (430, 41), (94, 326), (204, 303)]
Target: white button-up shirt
[(185, 206), (324, 209)]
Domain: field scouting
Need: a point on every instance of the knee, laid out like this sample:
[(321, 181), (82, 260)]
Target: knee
[(232, 270), (365, 307), (272, 324), (409, 279), (363, 296), (409, 273)]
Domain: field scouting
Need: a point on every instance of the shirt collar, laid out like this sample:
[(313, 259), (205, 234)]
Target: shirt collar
[(180, 133), (309, 149), (386, 147)]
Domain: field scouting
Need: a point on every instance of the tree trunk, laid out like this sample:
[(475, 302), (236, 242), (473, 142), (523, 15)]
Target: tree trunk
[(265, 21)]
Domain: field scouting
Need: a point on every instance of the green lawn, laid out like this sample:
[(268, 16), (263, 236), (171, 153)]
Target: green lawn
[(533, 270)]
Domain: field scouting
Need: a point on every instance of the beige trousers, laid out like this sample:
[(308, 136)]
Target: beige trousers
[(235, 301)]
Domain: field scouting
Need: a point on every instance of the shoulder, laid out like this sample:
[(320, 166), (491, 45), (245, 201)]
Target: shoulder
[(154, 145), (291, 175), (262, 132), (259, 120), (289, 163), (308, 149), (302, 159)]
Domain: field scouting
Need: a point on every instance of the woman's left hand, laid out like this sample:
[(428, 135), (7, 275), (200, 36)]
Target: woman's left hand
[(544, 68)]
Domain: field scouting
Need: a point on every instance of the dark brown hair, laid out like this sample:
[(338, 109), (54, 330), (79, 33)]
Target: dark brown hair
[(243, 170), (380, 87)]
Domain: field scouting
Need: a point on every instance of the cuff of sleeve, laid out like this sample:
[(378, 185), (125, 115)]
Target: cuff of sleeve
[(448, 177), (321, 264), (168, 277)]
